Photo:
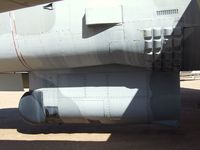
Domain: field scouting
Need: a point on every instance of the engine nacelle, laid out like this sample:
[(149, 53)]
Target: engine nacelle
[(109, 94)]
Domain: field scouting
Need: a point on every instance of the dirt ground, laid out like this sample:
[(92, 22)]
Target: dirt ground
[(17, 135)]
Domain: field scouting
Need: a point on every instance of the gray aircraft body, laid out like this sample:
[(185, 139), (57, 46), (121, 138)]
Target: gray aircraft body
[(115, 61)]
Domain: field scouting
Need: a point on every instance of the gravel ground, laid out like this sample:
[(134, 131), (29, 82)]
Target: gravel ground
[(17, 135)]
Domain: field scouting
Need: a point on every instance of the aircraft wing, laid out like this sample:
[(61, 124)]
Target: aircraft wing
[(7, 5)]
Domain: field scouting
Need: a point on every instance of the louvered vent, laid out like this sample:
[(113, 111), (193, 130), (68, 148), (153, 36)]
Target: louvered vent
[(167, 12)]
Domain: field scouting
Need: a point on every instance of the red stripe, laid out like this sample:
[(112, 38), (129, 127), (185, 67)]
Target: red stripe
[(18, 53)]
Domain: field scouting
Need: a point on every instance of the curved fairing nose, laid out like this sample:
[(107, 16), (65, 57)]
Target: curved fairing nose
[(31, 110)]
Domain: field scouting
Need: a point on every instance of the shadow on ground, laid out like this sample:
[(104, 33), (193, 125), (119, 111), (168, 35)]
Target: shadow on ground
[(140, 137)]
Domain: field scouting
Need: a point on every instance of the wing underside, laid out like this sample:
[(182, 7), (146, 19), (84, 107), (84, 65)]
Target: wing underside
[(7, 5)]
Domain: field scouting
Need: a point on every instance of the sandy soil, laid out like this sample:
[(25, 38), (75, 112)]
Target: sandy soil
[(15, 134)]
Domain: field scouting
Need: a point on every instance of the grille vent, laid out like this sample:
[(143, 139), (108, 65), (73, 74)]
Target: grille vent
[(167, 12)]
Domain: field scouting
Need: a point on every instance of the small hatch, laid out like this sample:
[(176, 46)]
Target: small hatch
[(104, 15)]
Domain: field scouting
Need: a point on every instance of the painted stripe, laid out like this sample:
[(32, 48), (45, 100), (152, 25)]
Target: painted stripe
[(17, 51)]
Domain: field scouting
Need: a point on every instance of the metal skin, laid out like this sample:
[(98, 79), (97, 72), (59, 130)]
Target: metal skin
[(108, 61), (17, 4), (105, 94), (70, 35)]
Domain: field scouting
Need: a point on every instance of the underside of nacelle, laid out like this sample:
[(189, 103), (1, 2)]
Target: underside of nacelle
[(105, 94)]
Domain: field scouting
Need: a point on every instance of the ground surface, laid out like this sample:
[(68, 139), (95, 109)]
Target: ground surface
[(17, 135)]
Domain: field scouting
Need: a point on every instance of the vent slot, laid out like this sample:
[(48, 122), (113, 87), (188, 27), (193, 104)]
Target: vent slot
[(167, 12)]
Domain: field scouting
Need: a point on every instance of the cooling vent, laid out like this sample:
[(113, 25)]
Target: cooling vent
[(167, 12)]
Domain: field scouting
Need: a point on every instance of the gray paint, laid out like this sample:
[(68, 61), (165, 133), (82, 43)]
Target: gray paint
[(41, 22), (4, 19), (32, 109), (61, 38), (108, 94), (75, 47), (11, 82)]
